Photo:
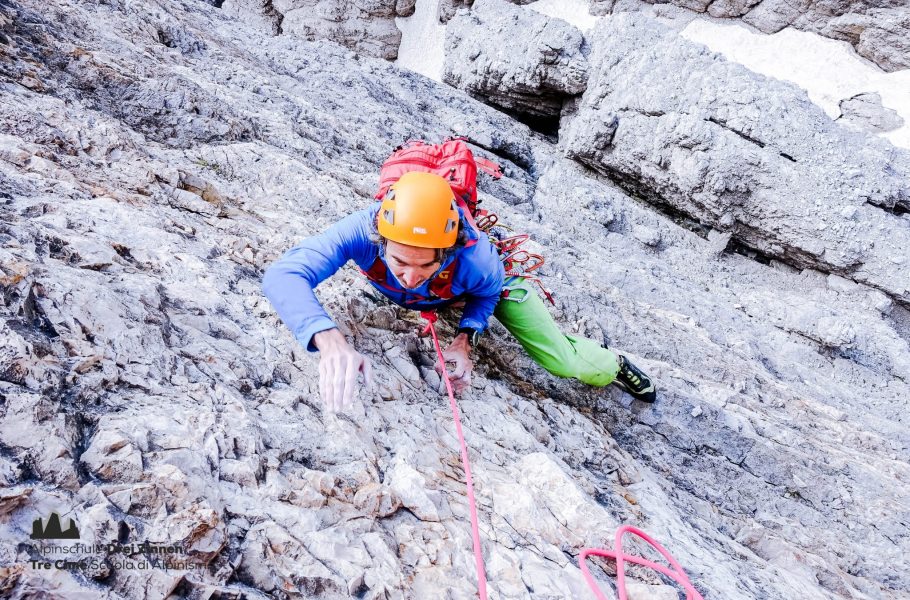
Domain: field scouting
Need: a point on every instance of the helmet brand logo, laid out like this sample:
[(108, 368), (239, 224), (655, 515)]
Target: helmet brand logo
[(420, 230)]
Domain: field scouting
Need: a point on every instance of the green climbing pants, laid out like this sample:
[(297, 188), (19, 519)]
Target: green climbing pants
[(526, 317)]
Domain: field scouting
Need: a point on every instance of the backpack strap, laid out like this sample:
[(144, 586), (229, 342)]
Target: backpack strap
[(489, 167), (467, 217), (410, 144)]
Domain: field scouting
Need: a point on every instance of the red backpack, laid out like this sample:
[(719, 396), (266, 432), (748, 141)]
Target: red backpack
[(451, 159)]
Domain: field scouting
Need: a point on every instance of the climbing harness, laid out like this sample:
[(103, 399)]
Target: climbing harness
[(440, 283), (677, 573)]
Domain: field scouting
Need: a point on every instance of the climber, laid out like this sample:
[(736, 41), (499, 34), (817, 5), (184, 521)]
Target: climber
[(418, 249)]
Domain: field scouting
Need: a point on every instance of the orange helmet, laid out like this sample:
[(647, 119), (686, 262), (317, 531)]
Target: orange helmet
[(419, 210)]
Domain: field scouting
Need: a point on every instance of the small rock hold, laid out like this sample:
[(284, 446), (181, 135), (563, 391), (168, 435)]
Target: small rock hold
[(113, 457), (406, 368), (642, 591), (696, 412), (648, 236), (376, 500), (87, 364)]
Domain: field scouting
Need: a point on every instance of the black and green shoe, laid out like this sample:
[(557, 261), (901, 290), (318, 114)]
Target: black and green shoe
[(634, 381)]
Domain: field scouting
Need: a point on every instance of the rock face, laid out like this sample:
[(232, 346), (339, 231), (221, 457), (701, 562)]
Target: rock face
[(149, 392), (878, 29), (527, 64), (448, 8), (866, 112), (367, 27), (880, 34), (259, 13), (742, 154)]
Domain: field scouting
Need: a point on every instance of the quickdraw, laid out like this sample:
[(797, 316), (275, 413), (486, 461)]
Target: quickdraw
[(486, 220), (517, 262)]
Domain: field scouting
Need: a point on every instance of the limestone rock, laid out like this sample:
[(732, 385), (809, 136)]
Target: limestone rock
[(866, 112), (681, 143), (448, 8), (641, 591), (527, 63), (367, 27), (113, 457), (259, 13), (405, 8), (410, 486), (376, 500)]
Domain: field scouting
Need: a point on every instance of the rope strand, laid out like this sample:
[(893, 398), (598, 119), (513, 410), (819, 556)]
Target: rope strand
[(676, 573), (472, 504)]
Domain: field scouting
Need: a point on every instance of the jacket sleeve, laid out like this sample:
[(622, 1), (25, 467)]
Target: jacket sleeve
[(289, 282), (481, 298)]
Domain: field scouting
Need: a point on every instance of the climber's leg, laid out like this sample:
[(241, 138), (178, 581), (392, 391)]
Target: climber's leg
[(562, 355)]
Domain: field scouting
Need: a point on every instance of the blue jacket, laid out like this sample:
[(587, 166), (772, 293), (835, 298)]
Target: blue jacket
[(290, 281)]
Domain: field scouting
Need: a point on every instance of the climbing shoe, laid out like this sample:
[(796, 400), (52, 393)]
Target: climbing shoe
[(634, 381)]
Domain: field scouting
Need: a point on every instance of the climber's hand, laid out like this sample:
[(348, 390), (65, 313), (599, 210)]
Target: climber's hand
[(339, 365), (457, 353)]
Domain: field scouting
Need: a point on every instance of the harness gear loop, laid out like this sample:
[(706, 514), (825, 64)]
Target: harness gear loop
[(508, 293), (520, 263)]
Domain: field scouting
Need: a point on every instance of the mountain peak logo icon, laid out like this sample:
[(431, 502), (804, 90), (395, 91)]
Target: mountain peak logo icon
[(53, 530)]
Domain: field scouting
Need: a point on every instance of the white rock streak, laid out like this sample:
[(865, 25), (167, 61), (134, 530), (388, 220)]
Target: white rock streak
[(575, 12), (422, 40), (829, 71)]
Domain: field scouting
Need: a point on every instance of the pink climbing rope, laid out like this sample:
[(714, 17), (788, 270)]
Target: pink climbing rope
[(677, 573), (475, 532)]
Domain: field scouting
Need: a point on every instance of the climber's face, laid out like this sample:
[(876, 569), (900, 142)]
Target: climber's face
[(411, 265)]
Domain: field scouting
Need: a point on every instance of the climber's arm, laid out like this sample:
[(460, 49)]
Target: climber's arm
[(289, 282), (289, 285)]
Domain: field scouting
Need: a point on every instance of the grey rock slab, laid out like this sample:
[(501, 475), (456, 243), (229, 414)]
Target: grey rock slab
[(513, 58), (367, 27), (865, 111), (775, 171), (878, 31), (790, 481), (261, 14), (447, 8)]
